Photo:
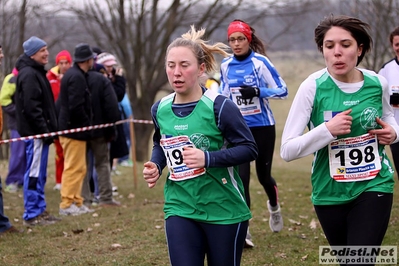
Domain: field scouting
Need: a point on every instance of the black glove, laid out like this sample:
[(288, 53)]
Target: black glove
[(394, 100), (249, 92)]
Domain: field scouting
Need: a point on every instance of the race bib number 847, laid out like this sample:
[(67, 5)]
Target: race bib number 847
[(246, 106)]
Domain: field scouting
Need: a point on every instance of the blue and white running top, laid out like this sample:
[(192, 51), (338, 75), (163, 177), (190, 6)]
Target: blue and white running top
[(256, 70)]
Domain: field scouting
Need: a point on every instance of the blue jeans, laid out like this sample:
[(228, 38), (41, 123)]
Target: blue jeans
[(4, 222), (126, 129)]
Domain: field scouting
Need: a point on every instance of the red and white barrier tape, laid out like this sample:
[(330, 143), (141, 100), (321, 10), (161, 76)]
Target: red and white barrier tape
[(74, 130)]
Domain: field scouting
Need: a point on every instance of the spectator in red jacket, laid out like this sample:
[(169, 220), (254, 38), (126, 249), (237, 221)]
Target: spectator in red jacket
[(63, 62)]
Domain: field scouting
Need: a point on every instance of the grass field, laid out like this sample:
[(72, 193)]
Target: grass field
[(134, 233)]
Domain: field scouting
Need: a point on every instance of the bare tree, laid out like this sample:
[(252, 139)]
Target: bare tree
[(381, 15), (24, 18), (13, 20)]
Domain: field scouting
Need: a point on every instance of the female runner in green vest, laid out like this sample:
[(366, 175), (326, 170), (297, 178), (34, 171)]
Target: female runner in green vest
[(200, 136), (350, 121)]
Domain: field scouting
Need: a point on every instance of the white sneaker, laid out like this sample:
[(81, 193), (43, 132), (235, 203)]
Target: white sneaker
[(248, 240), (85, 209), (57, 186), (114, 190), (95, 201), (11, 188), (276, 220), (126, 163), (115, 171), (71, 210)]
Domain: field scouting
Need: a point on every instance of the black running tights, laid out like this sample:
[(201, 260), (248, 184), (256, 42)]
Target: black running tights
[(265, 138)]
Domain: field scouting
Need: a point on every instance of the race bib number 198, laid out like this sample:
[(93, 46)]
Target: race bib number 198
[(173, 149), (354, 159)]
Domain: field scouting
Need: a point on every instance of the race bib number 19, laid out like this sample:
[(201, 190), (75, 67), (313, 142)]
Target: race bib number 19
[(354, 159), (173, 149)]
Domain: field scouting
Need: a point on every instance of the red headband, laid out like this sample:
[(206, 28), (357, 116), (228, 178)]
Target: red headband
[(239, 26)]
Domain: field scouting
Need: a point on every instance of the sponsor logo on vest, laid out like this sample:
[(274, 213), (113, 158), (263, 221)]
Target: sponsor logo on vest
[(240, 71), (249, 80), (367, 118), (181, 127), (200, 141), (232, 81), (351, 103)]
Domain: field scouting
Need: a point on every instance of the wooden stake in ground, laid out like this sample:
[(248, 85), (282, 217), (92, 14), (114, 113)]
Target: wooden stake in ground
[(133, 150)]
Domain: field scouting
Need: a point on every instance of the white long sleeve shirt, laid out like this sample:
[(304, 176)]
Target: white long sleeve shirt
[(295, 143)]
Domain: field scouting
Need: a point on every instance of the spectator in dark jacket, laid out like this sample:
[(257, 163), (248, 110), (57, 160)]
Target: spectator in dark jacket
[(36, 114), (118, 146), (105, 110), (17, 160), (74, 108)]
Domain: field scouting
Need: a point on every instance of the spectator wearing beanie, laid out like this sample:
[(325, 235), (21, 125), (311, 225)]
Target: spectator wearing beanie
[(35, 112), (63, 62), (108, 61), (118, 147)]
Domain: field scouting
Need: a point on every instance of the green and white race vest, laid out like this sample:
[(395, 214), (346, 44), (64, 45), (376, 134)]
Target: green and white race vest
[(356, 162), (212, 195)]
